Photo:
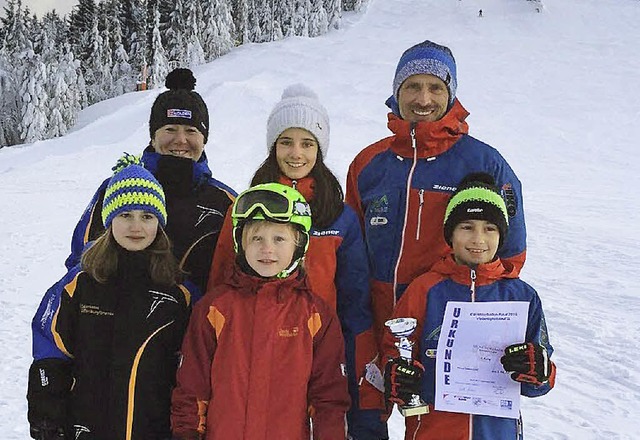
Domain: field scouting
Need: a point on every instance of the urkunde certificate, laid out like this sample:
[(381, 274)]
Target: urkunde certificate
[(469, 376)]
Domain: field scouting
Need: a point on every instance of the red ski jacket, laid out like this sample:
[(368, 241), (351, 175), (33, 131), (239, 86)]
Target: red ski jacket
[(260, 359)]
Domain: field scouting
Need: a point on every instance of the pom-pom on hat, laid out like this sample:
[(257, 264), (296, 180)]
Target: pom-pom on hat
[(133, 187), (299, 108), (180, 105), (426, 58), (477, 198)]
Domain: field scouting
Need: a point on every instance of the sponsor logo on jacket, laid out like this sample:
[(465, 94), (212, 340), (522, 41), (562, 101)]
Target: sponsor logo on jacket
[(90, 309), (377, 209), (288, 332), (159, 298), (206, 212), (327, 232)]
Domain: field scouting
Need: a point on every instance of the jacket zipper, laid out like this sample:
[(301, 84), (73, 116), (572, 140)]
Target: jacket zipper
[(421, 194), (406, 210), (473, 285), (294, 183), (472, 275)]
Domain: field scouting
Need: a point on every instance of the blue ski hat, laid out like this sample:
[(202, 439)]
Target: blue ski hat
[(425, 58)]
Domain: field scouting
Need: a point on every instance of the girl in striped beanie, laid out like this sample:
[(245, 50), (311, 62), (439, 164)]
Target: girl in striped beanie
[(119, 324)]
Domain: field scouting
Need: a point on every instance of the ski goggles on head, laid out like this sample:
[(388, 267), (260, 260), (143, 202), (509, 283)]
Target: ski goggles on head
[(273, 205)]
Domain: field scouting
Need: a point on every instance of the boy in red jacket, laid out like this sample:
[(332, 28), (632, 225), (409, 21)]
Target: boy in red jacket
[(475, 226), (263, 355)]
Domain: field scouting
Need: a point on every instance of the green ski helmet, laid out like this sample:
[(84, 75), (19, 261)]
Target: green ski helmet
[(276, 203)]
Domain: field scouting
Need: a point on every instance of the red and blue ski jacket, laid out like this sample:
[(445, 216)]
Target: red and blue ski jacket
[(400, 186), (426, 299)]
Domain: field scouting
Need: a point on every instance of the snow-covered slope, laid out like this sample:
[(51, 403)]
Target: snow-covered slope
[(556, 92)]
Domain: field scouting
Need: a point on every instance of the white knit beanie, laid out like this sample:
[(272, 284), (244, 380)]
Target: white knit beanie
[(299, 108)]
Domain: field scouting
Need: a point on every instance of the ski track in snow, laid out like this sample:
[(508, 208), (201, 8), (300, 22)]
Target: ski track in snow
[(555, 93)]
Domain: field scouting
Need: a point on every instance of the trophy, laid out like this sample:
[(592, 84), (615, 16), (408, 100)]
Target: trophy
[(402, 328)]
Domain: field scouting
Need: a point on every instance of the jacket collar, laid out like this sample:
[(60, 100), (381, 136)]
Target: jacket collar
[(306, 185), (201, 171), (432, 138), (485, 273), (253, 284)]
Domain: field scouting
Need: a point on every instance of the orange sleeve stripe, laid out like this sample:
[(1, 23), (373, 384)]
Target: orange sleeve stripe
[(186, 293), (216, 319), (314, 323), (202, 415)]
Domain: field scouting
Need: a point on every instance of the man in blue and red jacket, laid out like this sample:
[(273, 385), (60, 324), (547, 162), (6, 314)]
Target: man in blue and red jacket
[(400, 185)]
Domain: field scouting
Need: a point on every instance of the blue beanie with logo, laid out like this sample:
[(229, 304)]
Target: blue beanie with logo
[(426, 58)]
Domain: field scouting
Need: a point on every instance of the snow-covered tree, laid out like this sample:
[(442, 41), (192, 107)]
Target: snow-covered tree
[(9, 130), (95, 68), (241, 19), (218, 28), (121, 72), (334, 13), (32, 98), (174, 34), (283, 12), (159, 67), (81, 21), (318, 19), (194, 52), (301, 18)]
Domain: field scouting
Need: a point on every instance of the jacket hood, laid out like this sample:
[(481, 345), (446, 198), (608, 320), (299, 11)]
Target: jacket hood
[(485, 273), (432, 138)]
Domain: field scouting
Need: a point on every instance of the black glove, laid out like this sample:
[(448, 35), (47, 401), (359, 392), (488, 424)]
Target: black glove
[(402, 379), (46, 431), (50, 381), (529, 363)]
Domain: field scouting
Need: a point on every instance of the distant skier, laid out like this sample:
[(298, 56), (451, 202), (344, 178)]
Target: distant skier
[(480, 13)]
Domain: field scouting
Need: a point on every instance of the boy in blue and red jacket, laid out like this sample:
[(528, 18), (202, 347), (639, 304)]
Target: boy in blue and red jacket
[(475, 226)]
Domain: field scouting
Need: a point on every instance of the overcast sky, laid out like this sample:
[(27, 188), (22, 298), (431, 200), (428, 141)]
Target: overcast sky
[(40, 7)]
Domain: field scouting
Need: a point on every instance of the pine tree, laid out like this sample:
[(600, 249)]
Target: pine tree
[(121, 72), (159, 62), (194, 53), (33, 98), (9, 130), (94, 67), (174, 33), (318, 19), (241, 15), (81, 21), (334, 13), (265, 20), (283, 12), (301, 18), (218, 30)]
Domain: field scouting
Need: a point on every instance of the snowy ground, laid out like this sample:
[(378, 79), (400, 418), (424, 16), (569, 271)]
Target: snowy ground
[(556, 92)]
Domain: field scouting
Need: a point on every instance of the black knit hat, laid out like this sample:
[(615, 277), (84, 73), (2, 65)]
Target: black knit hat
[(477, 198), (180, 104)]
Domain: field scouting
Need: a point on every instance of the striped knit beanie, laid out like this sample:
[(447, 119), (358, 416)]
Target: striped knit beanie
[(430, 59), (477, 198), (299, 108), (133, 187)]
